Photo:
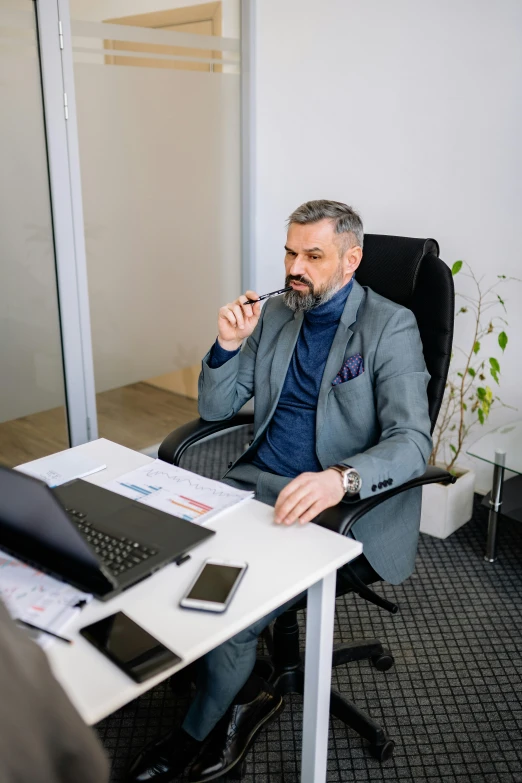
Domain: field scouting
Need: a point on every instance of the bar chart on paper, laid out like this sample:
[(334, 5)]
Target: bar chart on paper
[(188, 508), (177, 491), (181, 505), (138, 492)]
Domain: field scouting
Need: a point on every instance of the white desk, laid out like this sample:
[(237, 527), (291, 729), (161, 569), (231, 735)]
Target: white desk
[(283, 561)]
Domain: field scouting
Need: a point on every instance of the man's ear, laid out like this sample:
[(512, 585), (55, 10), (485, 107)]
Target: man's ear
[(353, 258)]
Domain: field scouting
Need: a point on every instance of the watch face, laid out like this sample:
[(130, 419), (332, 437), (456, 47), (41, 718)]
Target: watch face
[(353, 481)]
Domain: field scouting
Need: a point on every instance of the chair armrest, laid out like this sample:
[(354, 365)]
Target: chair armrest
[(342, 518), (179, 440)]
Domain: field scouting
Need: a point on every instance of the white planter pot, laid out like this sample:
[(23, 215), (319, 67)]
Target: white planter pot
[(446, 508)]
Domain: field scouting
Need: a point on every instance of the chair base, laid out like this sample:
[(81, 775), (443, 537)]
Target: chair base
[(381, 746), (290, 679)]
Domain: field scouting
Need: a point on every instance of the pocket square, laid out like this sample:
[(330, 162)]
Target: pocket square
[(352, 368)]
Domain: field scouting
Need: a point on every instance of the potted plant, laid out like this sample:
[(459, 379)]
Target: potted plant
[(467, 402)]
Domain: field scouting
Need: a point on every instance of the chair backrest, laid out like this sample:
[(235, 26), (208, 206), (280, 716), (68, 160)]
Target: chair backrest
[(409, 271)]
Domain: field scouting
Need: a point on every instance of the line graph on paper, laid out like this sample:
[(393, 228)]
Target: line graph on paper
[(35, 597), (177, 491)]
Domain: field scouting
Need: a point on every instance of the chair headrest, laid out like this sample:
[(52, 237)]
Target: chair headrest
[(390, 264)]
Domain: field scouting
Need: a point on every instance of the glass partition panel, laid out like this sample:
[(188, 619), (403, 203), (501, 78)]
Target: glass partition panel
[(32, 397), (159, 135)]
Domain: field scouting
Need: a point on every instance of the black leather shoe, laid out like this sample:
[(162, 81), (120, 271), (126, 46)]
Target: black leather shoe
[(229, 741), (163, 760)]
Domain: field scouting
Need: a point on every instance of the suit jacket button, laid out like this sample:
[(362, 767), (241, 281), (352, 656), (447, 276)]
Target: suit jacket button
[(380, 484), (374, 488)]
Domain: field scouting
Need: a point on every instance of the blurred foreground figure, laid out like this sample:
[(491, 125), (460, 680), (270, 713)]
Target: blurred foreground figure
[(42, 737)]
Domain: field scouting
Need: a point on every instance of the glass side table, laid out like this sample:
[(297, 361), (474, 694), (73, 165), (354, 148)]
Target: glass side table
[(502, 448)]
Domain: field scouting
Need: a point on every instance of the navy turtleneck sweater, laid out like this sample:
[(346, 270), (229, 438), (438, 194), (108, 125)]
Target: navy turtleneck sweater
[(288, 447)]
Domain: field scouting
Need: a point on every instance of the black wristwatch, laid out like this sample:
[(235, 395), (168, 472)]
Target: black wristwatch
[(352, 482)]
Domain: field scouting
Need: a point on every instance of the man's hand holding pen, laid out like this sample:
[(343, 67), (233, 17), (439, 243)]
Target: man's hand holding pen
[(237, 320)]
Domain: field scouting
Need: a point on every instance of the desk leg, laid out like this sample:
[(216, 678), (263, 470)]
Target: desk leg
[(318, 679), (495, 503)]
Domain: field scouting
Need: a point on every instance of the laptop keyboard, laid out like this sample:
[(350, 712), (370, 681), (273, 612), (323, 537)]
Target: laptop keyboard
[(119, 553)]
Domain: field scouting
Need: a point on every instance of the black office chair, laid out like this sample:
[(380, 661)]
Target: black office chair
[(407, 271)]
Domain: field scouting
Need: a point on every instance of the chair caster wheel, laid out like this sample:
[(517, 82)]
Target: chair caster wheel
[(384, 751), (237, 772), (384, 661)]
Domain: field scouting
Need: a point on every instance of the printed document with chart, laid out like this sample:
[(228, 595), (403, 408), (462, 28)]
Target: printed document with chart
[(38, 598), (177, 491)]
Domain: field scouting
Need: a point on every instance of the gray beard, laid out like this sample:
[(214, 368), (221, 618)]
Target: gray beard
[(302, 303)]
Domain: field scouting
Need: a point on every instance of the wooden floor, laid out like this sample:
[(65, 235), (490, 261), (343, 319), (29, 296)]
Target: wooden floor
[(137, 416)]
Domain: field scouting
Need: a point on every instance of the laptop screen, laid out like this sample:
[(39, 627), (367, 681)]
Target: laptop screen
[(31, 517)]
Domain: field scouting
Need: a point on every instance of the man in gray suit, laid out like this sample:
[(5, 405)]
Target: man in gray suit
[(339, 381), (42, 737)]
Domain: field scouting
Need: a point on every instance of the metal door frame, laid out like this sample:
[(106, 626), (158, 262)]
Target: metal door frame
[(67, 214)]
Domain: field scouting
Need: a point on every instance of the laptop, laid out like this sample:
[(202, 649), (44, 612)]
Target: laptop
[(94, 539)]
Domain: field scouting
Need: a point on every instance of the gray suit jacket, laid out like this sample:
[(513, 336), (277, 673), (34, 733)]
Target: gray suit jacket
[(42, 737), (378, 422)]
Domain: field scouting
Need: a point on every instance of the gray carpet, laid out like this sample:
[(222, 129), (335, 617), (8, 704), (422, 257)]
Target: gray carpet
[(453, 700)]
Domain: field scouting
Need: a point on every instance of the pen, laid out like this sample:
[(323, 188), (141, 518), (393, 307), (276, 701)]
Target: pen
[(43, 630), (266, 296)]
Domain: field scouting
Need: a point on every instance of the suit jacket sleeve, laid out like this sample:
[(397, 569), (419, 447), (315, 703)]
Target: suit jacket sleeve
[(42, 737), (224, 390), (400, 384)]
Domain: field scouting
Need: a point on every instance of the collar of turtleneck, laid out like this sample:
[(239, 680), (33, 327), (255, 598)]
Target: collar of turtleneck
[(332, 310)]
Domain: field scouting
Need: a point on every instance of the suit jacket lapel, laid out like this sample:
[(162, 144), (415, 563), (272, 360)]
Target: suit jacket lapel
[(338, 351), (283, 351)]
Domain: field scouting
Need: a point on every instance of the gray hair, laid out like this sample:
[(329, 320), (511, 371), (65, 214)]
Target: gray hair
[(346, 219)]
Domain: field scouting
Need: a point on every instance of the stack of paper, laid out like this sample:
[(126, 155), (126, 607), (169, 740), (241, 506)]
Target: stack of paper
[(62, 467), (177, 491), (37, 598)]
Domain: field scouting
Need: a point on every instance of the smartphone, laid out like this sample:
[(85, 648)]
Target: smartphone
[(214, 585), (129, 646)]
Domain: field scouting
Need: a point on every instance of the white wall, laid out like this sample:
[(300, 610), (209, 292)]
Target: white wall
[(159, 157), (31, 377), (409, 111)]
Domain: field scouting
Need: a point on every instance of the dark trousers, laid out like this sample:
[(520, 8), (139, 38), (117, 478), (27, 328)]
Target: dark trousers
[(224, 670)]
